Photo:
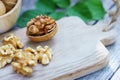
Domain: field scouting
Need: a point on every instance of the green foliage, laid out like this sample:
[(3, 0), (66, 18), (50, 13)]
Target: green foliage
[(96, 9), (88, 10), (62, 3), (57, 15), (45, 6), (80, 10), (26, 16)]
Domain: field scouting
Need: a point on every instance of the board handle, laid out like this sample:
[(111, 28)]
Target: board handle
[(114, 16)]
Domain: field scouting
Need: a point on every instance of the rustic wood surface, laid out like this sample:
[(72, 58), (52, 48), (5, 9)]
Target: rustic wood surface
[(80, 59), (113, 69)]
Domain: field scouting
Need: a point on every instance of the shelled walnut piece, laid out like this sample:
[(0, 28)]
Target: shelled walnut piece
[(14, 40), (9, 4), (6, 54), (44, 55), (23, 61), (2, 8), (40, 25)]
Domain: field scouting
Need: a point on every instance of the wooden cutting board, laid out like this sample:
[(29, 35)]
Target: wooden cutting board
[(78, 50)]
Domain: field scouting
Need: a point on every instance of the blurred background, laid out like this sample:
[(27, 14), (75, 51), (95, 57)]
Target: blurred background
[(89, 10)]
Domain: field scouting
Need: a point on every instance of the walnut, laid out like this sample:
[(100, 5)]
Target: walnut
[(40, 25), (6, 54), (26, 57), (12, 39), (24, 60), (2, 8), (19, 68), (44, 55), (9, 4)]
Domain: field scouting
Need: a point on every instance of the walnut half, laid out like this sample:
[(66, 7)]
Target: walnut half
[(23, 61), (6, 54), (14, 40), (19, 68), (9, 4), (41, 25), (2, 8), (44, 54)]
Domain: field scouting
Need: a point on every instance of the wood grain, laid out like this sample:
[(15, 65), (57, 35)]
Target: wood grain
[(77, 49), (114, 49), (117, 75), (114, 56)]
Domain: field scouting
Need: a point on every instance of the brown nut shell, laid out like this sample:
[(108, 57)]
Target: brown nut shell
[(44, 37), (41, 28)]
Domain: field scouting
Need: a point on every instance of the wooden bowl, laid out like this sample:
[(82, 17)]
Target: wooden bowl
[(44, 37), (9, 19)]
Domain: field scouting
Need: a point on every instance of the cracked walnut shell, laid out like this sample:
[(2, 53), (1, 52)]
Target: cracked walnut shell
[(41, 28), (14, 40)]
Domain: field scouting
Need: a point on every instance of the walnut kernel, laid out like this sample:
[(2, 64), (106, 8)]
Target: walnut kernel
[(2, 8), (9, 4), (6, 54), (12, 39), (40, 25), (44, 55), (19, 68), (24, 60)]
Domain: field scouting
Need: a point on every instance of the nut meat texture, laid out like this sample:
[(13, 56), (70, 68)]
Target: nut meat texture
[(2, 8), (40, 25), (22, 60), (9, 4), (12, 39), (44, 54), (6, 54)]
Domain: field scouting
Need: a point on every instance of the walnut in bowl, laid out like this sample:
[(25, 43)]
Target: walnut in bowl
[(9, 16), (41, 28)]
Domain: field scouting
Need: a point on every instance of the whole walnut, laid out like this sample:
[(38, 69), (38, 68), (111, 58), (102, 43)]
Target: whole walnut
[(40, 25), (2, 8), (9, 4)]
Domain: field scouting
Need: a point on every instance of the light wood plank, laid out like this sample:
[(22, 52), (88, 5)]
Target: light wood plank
[(110, 70), (105, 73), (116, 76), (77, 51)]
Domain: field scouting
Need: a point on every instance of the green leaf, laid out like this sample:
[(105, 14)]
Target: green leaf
[(26, 16), (88, 10), (45, 6), (80, 10), (96, 9), (57, 15), (62, 3)]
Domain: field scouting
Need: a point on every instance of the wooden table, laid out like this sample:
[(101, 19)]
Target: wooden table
[(110, 72)]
